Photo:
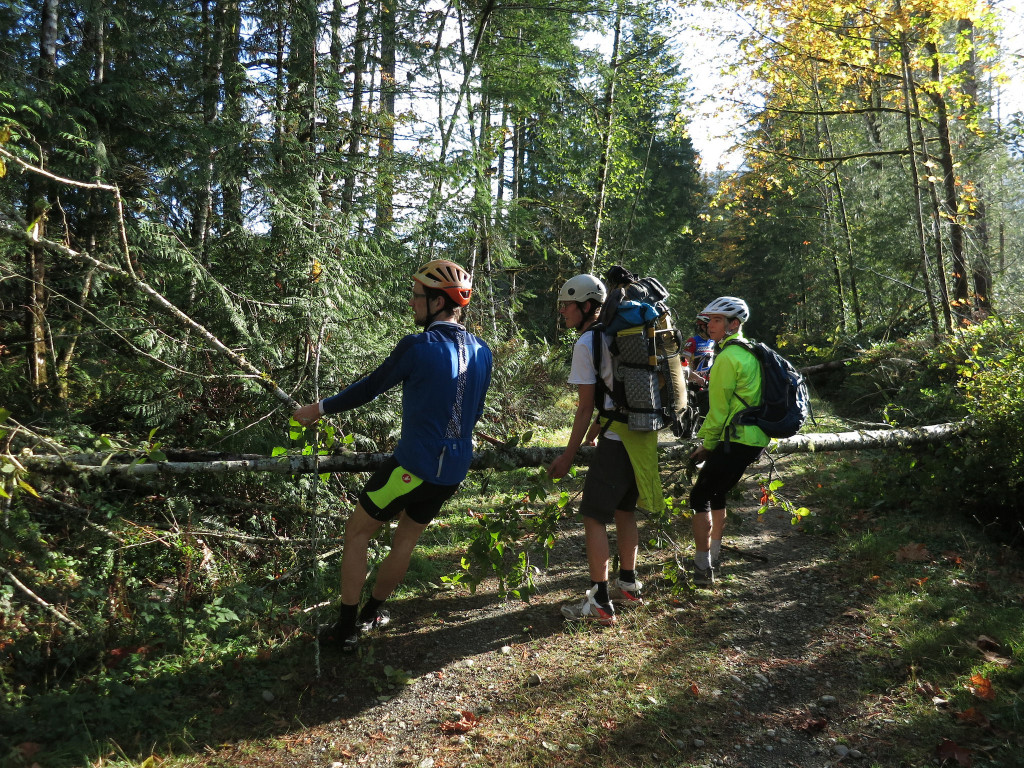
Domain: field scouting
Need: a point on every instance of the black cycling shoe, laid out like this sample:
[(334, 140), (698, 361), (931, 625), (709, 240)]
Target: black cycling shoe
[(338, 637)]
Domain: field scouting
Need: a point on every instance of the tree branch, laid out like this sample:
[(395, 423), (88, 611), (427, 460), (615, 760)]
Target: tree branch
[(238, 360), (37, 599)]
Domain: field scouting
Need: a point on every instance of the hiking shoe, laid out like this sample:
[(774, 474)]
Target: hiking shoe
[(380, 619), (718, 562), (337, 637), (590, 610), (703, 577), (629, 592)]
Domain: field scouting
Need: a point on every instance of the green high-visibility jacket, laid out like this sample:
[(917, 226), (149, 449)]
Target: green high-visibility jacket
[(734, 374)]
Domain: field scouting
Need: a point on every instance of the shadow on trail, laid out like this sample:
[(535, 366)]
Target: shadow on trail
[(271, 695), (772, 668)]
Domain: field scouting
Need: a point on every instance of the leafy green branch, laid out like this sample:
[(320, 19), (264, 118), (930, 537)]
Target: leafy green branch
[(501, 543)]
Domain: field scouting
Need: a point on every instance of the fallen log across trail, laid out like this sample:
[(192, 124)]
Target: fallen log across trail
[(501, 459)]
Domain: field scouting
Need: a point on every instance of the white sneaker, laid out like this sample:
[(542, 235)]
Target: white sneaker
[(629, 592), (590, 610)]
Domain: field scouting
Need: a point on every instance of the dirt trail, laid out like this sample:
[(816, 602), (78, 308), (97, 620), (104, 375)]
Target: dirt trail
[(770, 663)]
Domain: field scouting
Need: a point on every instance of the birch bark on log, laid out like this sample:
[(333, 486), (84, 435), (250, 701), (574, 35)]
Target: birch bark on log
[(501, 459)]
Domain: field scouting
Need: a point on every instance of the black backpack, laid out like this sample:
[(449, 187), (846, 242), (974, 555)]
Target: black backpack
[(785, 402)]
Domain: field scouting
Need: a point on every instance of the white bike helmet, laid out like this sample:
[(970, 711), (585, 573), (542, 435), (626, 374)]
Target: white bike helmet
[(729, 306), (583, 288)]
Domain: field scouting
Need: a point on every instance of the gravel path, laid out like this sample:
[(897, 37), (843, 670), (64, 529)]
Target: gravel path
[(782, 685)]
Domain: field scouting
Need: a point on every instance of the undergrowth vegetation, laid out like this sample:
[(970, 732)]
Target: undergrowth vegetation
[(156, 615), (976, 375)]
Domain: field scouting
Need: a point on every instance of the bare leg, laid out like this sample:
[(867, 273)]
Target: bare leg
[(393, 568), (702, 531), (717, 523), (628, 538), (597, 548), (358, 532)]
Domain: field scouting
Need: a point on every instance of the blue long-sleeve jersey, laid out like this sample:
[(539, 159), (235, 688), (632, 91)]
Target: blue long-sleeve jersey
[(445, 373)]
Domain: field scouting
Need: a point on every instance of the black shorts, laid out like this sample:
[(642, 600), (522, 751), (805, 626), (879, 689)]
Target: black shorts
[(721, 472), (393, 488), (610, 483)]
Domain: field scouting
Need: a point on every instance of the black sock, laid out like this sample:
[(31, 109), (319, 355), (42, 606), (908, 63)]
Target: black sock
[(346, 619), (601, 596), (628, 576), (370, 609)]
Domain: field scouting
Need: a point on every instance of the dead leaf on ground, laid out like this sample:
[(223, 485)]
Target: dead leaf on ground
[(913, 553), (812, 725), (982, 688), (986, 643), (992, 651), (928, 690), (950, 750), (973, 717), (466, 723), (952, 557)]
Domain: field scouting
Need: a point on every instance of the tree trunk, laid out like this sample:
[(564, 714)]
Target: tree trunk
[(501, 459), (601, 191), (38, 204), (910, 112), (837, 267), (958, 256), (981, 272), (386, 143), (936, 215), (355, 123), (234, 81), (844, 221), (212, 52), (468, 64)]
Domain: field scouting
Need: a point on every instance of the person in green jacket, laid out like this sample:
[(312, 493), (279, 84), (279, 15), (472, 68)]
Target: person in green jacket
[(727, 449)]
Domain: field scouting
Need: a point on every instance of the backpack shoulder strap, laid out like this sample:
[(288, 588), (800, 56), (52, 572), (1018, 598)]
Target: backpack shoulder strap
[(751, 348), (745, 343), (600, 388), (597, 349)]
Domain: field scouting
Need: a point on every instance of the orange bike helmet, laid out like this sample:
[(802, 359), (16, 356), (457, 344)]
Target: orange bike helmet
[(447, 276)]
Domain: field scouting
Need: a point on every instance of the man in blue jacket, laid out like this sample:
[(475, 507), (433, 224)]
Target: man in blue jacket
[(445, 373)]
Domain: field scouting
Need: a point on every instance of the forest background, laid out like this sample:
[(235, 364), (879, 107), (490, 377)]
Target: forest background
[(210, 211)]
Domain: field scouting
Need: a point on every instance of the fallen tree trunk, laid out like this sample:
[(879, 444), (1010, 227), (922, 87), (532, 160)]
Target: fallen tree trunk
[(501, 459), (834, 365)]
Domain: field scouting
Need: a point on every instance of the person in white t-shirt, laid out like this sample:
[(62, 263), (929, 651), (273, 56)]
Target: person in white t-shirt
[(610, 490)]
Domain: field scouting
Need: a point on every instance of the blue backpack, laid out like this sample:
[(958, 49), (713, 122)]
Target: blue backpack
[(785, 402)]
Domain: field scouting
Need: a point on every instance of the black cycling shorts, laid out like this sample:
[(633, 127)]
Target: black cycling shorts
[(393, 488), (722, 470)]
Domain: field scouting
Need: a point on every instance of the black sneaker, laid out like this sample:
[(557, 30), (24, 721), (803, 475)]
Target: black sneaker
[(336, 636), (380, 619)]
